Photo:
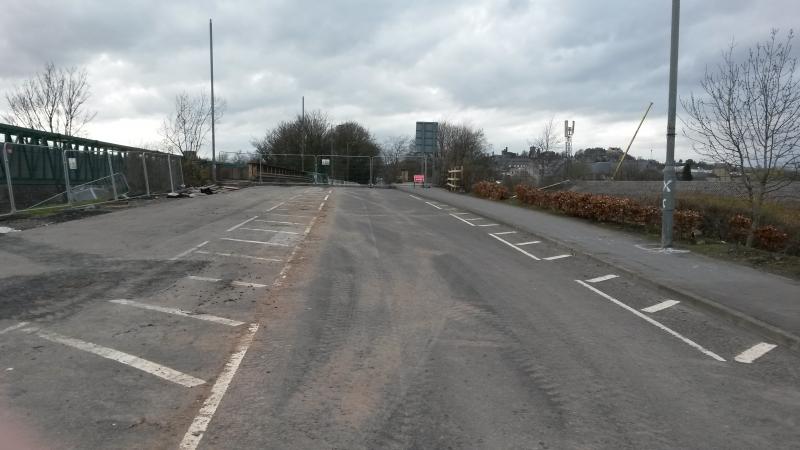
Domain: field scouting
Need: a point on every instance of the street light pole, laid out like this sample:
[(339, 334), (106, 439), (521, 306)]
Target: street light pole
[(213, 136), (668, 190)]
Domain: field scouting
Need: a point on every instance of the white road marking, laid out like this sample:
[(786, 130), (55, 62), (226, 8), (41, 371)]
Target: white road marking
[(603, 278), (553, 258), (754, 352), (475, 218), (13, 327), (459, 214), (414, 196), (237, 255), (686, 340), (279, 222), (270, 231), (659, 306), (237, 226), (488, 225), (528, 242), (437, 207), (124, 358), (279, 204), (217, 280), (505, 232), (200, 423), (459, 218), (254, 242), (290, 215), (320, 206), (513, 246), (246, 284), (179, 312), (181, 255), (326, 198)]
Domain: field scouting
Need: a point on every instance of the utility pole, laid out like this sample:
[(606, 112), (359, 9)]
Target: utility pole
[(213, 136), (303, 143), (668, 190)]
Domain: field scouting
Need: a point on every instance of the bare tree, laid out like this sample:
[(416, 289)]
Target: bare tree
[(393, 150), (186, 128), (53, 100), (749, 119), (544, 154), (466, 146)]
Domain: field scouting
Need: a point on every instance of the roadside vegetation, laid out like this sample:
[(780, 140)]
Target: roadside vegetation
[(713, 225)]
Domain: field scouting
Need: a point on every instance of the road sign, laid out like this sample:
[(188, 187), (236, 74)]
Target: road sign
[(419, 179), (326, 162), (73, 163), (426, 137)]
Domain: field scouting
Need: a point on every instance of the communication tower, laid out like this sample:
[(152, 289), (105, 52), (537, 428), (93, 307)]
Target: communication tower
[(568, 132)]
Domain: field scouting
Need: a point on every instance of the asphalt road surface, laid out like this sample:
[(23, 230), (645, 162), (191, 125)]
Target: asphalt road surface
[(294, 318)]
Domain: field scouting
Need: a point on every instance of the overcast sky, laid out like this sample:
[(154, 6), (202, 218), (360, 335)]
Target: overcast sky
[(506, 66)]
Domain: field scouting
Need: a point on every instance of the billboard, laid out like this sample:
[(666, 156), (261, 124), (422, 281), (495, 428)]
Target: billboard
[(426, 137)]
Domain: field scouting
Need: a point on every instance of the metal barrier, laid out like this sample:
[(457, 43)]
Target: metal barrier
[(39, 177)]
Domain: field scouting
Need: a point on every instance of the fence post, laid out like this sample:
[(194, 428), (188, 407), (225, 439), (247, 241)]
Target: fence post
[(169, 166), (146, 180), (180, 164), (111, 171), (260, 180), (8, 179), (64, 159), (370, 170)]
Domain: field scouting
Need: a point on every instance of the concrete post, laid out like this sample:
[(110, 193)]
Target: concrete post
[(8, 179), (146, 180), (64, 162), (169, 166), (111, 171)]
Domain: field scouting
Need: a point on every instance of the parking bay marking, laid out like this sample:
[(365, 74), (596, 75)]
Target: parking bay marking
[(658, 324), (659, 306), (13, 327), (603, 278), (254, 242), (754, 352), (278, 222), (553, 258), (237, 255), (142, 364), (179, 312), (526, 243), (237, 226), (513, 246), (437, 207), (270, 231), (466, 222), (217, 280), (181, 255)]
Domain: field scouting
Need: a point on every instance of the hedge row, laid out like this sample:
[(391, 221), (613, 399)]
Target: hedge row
[(493, 191), (688, 223)]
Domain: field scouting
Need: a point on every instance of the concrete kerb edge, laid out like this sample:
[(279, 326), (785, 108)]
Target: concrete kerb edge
[(739, 318)]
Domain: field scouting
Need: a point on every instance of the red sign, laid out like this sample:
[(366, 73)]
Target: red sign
[(419, 179)]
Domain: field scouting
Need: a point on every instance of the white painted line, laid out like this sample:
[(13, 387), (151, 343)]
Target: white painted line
[(179, 312), (270, 231), (505, 232), (553, 258), (326, 198), (200, 423), (13, 327), (528, 243), (488, 225), (320, 206), (279, 222), (754, 352), (513, 246), (659, 306), (237, 255), (459, 218), (279, 204), (305, 233), (603, 278), (429, 203), (124, 358), (459, 214), (290, 215), (212, 280), (475, 218), (237, 226), (686, 340), (217, 280), (181, 255), (414, 196), (254, 242), (246, 284)]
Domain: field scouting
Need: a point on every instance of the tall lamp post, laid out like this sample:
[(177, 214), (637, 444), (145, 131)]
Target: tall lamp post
[(213, 137), (668, 189)]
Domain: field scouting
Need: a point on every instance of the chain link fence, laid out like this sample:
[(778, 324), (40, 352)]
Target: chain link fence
[(38, 177)]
